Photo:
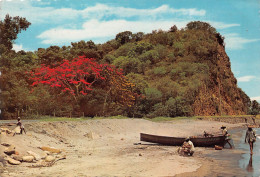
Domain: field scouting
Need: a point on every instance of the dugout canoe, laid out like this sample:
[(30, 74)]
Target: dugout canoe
[(178, 141)]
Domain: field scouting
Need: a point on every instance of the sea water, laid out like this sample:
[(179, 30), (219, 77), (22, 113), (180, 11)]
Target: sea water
[(250, 163), (237, 161)]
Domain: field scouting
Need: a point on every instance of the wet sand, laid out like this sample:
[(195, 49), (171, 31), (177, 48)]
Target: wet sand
[(250, 163), (231, 162)]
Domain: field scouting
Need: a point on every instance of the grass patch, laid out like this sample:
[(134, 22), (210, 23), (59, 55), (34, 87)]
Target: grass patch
[(112, 117), (53, 119), (156, 119), (162, 119), (224, 116)]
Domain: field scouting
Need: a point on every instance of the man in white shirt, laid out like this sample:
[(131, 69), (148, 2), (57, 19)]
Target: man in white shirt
[(225, 133), (188, 146)]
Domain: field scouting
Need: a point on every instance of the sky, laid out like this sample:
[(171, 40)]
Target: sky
[(60, 22)]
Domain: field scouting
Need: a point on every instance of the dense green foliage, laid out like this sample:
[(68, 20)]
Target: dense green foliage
[(255, 108), (168, 69)]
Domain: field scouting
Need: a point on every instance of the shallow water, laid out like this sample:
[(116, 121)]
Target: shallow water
[(249, 163), (238, 161)]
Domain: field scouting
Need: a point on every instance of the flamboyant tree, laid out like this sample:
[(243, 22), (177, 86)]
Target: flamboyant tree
[(81, 75)]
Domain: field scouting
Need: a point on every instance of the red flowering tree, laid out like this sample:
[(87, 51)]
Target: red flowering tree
[(79, 76)]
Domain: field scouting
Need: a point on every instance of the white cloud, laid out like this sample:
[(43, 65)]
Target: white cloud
[(36, 14), (100, 29), (130, 12), (245, 78), (95, 29), (221, 25), (91, 23), (234, 41), (20, 47), (257, 98), (99, 11), (17, 47)]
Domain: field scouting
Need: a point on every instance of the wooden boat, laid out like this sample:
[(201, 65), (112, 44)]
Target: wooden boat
[(176, 141)]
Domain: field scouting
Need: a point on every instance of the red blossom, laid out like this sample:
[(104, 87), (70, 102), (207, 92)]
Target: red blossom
[(72, 75), (79, 75)]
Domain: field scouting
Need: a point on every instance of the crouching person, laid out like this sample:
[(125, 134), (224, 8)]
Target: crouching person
[(19, 127), (187, 148)]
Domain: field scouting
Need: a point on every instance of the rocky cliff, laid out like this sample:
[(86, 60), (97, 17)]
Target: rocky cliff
[(222, 96)]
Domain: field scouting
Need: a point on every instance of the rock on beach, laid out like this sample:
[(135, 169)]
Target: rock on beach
[(49, 158), (36, 156), (13, 162), (50, 149), (28, 158)]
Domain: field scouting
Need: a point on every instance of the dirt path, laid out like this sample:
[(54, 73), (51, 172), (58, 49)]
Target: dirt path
[(106, 147)]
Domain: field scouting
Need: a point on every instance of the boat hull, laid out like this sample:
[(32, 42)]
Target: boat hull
[(178, 141)]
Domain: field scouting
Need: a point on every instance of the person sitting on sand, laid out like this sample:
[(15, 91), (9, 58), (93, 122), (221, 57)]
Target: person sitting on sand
[(225, 133), (187, 147), (20, 125), (250, 138)]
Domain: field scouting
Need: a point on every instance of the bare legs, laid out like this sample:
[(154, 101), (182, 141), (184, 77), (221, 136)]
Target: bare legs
[(229, 144), (251, 147), (227, 141)]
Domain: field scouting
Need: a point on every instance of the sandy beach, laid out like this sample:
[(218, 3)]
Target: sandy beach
[(111, 147)]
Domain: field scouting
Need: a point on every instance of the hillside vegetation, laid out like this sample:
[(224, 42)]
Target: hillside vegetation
[(180, 72)]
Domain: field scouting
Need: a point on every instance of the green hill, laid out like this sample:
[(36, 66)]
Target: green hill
[(180, 72)]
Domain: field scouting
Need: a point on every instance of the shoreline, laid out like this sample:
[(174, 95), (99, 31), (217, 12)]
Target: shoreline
[(106, 147), (212, 164)]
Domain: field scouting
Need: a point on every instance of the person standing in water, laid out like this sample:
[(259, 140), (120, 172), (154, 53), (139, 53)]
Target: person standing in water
[(225, 133), (250, 138)]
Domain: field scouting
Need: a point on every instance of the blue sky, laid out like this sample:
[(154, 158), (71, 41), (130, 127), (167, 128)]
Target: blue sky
[(60, 22)]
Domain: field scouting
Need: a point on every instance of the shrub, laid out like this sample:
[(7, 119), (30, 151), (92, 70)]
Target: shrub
[(159, 71)]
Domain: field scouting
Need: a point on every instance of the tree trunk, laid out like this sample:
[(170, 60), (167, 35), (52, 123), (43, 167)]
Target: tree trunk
[(105, 101)]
